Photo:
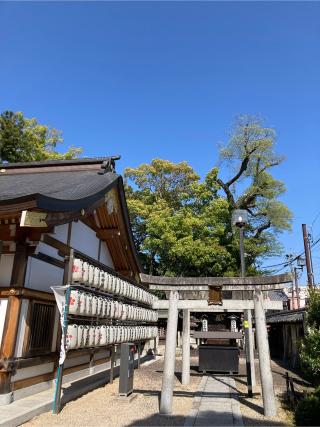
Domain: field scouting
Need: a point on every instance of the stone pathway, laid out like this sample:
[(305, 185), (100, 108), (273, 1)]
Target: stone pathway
[(216, 404)]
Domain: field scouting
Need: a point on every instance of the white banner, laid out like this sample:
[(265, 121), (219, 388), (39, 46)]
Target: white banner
[(60, 296)]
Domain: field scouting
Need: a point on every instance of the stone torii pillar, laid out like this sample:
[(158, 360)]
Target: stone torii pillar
[(186, 347), (269, 401), (169, 355)]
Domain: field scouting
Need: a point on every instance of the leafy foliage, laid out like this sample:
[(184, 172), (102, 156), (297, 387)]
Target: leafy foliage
[(177, 221), (182, 225), (314, 308), (250, 154), (310, 346), (24, 140), (307, 412)]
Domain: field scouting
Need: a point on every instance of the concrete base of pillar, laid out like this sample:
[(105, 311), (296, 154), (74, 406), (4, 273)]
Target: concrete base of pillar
[(6, 399)]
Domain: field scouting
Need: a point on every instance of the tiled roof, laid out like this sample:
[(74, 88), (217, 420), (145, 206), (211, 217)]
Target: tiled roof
[(58, 185), (277, 295), (290, 316)]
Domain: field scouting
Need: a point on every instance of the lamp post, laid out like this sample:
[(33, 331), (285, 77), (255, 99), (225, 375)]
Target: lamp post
[(240, 219)]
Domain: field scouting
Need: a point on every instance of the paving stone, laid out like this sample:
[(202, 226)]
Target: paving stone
[(218, 405)]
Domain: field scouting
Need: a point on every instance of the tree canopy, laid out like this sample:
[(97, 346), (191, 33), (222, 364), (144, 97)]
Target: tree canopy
[(25, 140), (310, 345), (182, 225)]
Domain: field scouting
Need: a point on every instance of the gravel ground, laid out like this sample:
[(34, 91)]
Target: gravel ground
[(102, 407), (252, 408)]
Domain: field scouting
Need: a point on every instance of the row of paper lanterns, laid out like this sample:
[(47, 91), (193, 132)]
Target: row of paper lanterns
[(89, 275), (87, 304), (82, 336)]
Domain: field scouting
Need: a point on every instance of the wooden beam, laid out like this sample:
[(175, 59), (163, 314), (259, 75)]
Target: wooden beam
[(108, 233), (54, 243), (26, 293), (49, 259)]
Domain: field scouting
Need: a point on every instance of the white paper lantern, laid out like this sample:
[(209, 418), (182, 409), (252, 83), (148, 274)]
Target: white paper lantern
[(82, 303), (99, 306), (77, 267), (91, 275), (85, 336), (103, 335), (85, 272), (74, 301), (92, 332), (96, 277), (72, 337), (88, 309), (80, 342), (94, 306), (97, 336)]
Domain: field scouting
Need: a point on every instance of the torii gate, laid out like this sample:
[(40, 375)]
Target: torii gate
[(191, 294)]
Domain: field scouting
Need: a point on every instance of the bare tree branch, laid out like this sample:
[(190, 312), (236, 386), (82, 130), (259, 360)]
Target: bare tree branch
[(262, 227), (243, 167), (229, 195)]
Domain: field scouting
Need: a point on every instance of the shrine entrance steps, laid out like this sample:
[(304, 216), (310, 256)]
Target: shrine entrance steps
[(216, 403)]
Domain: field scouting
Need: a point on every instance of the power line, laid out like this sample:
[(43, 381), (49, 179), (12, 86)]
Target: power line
[(286, 263)]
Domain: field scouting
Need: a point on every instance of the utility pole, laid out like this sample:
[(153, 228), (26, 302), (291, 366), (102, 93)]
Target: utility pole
[(308, 256), (294, 300), (297, 286)]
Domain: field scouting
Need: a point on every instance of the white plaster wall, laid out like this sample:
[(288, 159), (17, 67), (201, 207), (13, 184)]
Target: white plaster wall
[(105, 256), (21, 328), (3, 311), (41, 275), (61, 232), (84, 239), (48, 250), (6, 264)]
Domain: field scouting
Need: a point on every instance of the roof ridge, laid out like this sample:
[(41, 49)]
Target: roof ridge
[(57, 162)]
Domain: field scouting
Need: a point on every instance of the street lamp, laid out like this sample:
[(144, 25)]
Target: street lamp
[(240, 219)]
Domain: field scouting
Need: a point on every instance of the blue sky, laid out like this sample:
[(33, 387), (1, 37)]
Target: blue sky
[(166, 79)]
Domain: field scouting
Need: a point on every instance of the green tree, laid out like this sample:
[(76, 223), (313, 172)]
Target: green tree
[(177, 220), (250, 155), (182, 225), (310, 346), (25, 140)]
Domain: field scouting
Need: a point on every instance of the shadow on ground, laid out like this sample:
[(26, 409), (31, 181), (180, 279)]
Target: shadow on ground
[(220, 419)]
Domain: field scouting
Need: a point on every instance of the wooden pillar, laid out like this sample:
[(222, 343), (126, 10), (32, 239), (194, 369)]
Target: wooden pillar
[(169, 355), (9, 337), (268, 395), (10, 330)]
